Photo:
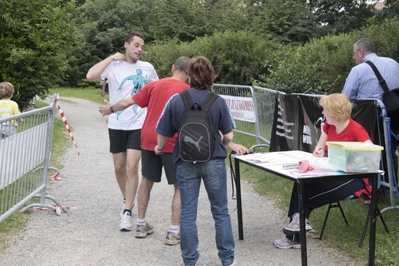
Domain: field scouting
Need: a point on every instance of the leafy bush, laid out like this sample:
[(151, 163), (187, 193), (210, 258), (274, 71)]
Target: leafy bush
[(237, 57), (321, 65), (163, 54), (297, 72)]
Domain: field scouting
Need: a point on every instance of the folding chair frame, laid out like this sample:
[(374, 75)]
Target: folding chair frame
[(338, 205)]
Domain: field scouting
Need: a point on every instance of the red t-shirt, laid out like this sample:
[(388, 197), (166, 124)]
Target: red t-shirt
[(353, 132), (155, 95)]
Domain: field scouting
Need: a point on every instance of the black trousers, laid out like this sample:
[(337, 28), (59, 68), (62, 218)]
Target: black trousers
[(320, 194)]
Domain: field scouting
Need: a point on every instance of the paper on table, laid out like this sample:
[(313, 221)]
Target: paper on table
[(322, 164), (315, 173)]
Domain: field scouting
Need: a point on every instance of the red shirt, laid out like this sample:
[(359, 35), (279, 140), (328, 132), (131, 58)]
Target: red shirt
[(155, 95), (353, 132)]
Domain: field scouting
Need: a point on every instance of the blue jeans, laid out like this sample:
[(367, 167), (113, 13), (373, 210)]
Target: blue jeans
[(213, 173)]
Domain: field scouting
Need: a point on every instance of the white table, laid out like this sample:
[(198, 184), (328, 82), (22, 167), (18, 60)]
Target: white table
[(274, 162)]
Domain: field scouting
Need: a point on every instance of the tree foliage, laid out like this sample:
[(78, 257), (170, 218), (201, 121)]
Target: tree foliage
[(104, 24), (50, 42), (288, 21), (178, 19), (391, 10), (34, 37), (341, 16)]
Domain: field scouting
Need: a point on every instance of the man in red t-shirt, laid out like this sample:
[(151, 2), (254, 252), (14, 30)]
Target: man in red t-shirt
[(155, 95)]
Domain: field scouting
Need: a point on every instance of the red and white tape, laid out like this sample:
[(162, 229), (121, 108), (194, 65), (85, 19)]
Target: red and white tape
[(65, 122), (57, 176), (58, 209)]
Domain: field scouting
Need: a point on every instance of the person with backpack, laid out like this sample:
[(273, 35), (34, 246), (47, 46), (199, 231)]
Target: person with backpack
[(203, 157), (362, 83)]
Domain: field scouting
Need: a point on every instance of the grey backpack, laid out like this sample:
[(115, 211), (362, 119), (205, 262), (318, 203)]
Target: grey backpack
[(196, 134)]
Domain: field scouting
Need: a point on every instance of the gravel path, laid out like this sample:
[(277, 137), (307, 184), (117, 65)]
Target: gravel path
[(89, 235)]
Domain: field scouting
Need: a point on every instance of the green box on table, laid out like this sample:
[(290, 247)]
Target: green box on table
[(354, 156)]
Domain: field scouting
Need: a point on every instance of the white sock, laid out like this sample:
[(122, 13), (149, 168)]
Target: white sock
[(174, 229), (141, 221)]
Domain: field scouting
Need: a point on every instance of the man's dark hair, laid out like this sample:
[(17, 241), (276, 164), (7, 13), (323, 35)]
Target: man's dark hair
[(181, 64), (366, 45), (130, 36)]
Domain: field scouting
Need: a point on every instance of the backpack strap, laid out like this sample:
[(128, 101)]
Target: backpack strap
[(381, 80), (209, 100), (186, 97), (206, 104)]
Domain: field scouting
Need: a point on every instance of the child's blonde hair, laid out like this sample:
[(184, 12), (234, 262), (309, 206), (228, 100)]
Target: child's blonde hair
[(337, 105), (6, 89)]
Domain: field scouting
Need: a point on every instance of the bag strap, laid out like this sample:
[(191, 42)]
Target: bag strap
[(186, 97), (381, 80), (207, 103), (209, 100)]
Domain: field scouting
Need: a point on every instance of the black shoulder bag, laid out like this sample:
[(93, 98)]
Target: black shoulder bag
[(390, 98)]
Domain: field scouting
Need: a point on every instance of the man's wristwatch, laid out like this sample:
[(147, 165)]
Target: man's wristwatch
[(111, 109)]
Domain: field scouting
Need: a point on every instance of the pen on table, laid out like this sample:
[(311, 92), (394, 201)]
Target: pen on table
[(290, 166)]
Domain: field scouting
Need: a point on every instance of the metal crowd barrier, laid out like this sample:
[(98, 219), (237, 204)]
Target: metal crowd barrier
[(391, 175), (252, 108), (24, 161)]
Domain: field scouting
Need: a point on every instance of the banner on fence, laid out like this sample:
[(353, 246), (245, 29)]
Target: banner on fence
[(241, 108), (285, 123), (298, 121), (22, 152)]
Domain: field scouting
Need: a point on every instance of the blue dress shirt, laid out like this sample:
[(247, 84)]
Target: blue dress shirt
[(362, 82)]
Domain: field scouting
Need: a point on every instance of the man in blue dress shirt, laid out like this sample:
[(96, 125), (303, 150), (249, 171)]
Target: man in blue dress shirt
[(363, 83)]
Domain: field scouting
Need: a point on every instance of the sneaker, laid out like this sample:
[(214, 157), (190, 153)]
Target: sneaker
[(234, 263), (294, 227), (285, 243), (144, 230), (172, 239), (126, 223)]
